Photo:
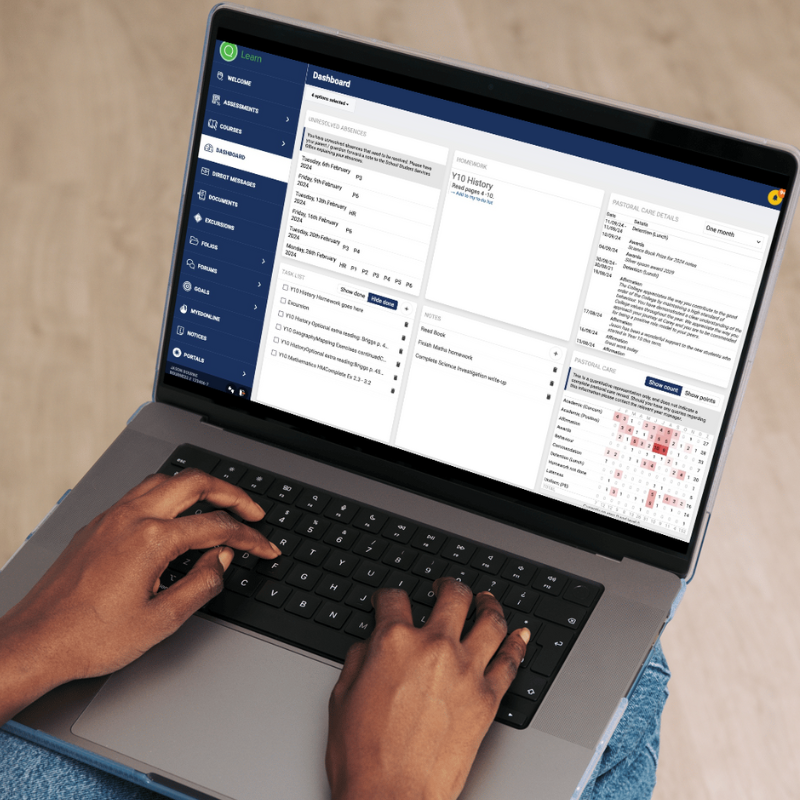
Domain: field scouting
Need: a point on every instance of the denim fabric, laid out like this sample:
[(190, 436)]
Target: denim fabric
[(627, 770), (30, 772)]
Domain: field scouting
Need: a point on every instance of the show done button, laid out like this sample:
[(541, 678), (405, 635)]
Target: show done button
[(663, 386)]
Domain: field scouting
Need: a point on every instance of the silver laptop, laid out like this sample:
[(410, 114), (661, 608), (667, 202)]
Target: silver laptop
[(437, 320)]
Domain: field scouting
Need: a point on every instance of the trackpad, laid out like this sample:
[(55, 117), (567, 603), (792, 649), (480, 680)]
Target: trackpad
[(221, 710)]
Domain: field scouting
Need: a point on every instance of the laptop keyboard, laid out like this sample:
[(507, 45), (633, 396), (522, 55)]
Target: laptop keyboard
[(336, 553)]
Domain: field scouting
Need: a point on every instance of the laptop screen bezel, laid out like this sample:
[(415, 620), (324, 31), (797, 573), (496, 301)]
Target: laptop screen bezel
[(645, 131)]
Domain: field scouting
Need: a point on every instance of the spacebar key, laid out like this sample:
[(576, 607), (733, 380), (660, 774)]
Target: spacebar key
[(276, 622)]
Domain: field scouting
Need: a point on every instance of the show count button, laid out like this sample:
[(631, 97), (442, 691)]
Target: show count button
[(663, 386)]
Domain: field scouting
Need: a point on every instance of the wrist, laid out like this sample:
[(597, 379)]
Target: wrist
[(29, 664)]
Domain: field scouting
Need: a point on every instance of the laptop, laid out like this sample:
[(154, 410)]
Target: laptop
[(437, 320)]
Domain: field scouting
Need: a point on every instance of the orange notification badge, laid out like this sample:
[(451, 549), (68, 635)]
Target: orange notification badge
[(776, 196)]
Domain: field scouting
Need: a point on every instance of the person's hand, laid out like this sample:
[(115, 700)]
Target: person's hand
[(97, 608), (412, 705)]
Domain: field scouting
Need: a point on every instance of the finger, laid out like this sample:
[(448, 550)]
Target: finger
[(489, 630), (179, 492), (201, 531), (149, 483), (392, 606), (202, 583), (453, 599), (503, 667)]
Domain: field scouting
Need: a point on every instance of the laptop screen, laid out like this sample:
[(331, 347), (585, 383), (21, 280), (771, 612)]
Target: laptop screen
[(508, 294)]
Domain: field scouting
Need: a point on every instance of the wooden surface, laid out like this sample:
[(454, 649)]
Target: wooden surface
[(95, 106)]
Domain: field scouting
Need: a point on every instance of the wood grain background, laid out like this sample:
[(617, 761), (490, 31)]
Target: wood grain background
[(95, 106)]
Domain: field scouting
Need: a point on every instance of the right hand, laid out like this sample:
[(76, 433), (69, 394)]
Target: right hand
[(412, 705)]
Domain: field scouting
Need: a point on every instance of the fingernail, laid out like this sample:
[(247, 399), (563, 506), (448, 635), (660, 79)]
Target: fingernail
[(276, 548), (225, 557), (525, 635)]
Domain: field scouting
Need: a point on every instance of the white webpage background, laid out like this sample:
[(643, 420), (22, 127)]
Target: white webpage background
[(519, 256), (592, 175)]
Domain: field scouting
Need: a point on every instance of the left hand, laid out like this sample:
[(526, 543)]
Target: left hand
[(97, 608)]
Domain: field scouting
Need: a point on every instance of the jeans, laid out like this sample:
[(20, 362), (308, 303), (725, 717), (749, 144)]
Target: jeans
[(626, 771)]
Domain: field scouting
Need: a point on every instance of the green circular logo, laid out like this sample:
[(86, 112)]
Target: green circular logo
[(228, 51)]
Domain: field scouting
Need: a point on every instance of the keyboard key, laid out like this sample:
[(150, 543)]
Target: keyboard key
[(341, 563), (341, 510), (369, 520), (188, 456), (284, 491), (400, 557), (371, 574), (424, 594), (360, 597), (256, 481), (550, 581), (463, 574), (554, 642), (519, 571), (333, 587), (302, 604), (360, 624), (285, 541), (419, 615), (168, 577), (370, 546), (455, 550), (487, 583), (401, 580), (263, 527), (274, 593), (521, 598), (519, 619), (399, 530), (284, 516), (311, 553), (229, 471), (312, 526), (185, 562), (275, 568), (429, 567), (241, 581), (304, 577), (515, 711), (244, 560), (426, 539), (341, 536), (487, 561), (333, 616), (579, 592), (528, 684), (312, 500), (560, 612)]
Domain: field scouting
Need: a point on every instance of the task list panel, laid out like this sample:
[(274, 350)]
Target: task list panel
[(334, 352)]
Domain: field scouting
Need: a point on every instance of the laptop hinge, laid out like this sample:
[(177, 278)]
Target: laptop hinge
[(609, 558)]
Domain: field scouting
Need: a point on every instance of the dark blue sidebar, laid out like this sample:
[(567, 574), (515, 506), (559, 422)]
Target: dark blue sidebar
[(234, 219)]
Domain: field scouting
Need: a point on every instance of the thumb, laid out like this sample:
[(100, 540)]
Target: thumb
[(202, 583)]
